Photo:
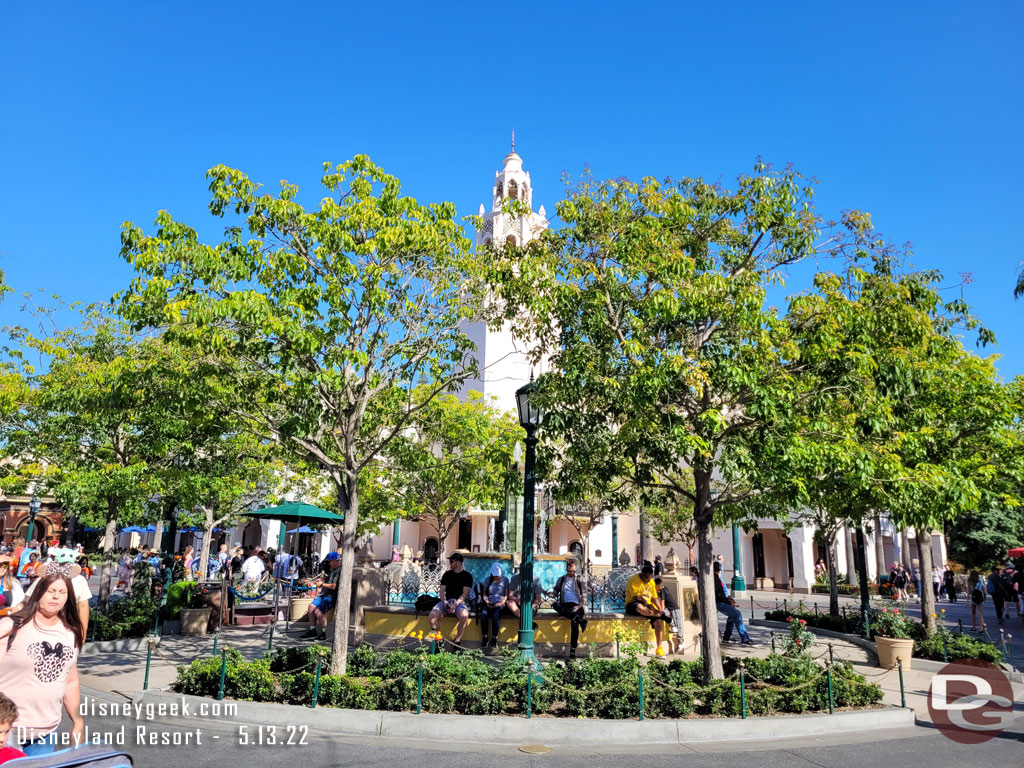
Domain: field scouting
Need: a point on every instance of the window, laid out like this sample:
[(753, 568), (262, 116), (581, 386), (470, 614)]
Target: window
[(513, 190)]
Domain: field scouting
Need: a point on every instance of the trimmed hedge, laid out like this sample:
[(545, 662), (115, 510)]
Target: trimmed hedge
[(467, 683)]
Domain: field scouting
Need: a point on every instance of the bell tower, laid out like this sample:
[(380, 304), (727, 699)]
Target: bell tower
[(501, 358)]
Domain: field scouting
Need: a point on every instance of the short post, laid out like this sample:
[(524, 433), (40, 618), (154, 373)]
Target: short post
[(149, 659), (815, 610), (1002, 640), (776, 603), (1009, 644), (616, 647), (773, 641), (903, 694), (316, 684), (529, 688), (828, 671), (419, 688), (831, 660), (785, 605), (223, 672), (867, 625), (751, 607), (270, 639), (945, 654), (844, 619), (743, 691), (433, 643), (216, 636), (640, 684), (960, 625)]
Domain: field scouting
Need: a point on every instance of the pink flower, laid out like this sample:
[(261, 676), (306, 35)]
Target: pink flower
[(895, 610), (802, 621)]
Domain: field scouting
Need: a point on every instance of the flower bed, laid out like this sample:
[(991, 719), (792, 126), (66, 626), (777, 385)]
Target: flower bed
[(466, 683)]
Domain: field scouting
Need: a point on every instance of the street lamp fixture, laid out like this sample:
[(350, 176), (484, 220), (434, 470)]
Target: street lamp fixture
[(530, 417), (33, 510)]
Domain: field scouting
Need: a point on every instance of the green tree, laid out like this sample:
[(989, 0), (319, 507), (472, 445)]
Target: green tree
[(90, 428), (323, 318), (651, 302), (453, 456)]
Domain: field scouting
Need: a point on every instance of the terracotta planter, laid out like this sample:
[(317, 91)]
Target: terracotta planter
[(300, 608), (194, 620), (891, 647)]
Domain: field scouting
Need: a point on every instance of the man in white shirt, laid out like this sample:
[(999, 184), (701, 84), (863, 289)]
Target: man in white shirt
[(253, 567)]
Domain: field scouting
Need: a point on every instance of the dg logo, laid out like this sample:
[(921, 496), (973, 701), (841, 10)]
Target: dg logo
[(970, 701)]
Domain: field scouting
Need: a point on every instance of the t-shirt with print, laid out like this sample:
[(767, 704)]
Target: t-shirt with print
[(455, 583), (639, 590), (35, 671)]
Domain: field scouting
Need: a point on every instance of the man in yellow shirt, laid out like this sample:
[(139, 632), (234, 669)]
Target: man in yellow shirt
[(642, 600)]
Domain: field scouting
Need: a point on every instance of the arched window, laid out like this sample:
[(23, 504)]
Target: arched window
[(430, 553), (513, 190), (510, 240), (498, 193), (576, 548), (522, 195)]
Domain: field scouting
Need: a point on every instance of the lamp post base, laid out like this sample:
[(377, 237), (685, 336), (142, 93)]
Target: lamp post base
[(738, 588)]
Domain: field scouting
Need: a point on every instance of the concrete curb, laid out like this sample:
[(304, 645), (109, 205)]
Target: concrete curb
[(128, 644), (519, 730), (918, 664)]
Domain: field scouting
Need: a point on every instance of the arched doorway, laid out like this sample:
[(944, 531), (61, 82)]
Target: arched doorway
[(39, 532), (430, 550), (576, 548), (252, 534)]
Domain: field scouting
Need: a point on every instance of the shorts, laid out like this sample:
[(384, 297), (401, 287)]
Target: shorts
[(448, 608), (631, 610), (324, 603)]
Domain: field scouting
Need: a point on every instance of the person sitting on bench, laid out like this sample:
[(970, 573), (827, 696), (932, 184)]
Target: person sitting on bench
[(642, 600), (570, 598), (456, 584)]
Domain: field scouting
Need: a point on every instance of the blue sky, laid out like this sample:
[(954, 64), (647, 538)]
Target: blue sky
[(111, 111)]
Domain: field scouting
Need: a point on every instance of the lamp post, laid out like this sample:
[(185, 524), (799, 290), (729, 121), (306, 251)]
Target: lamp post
[(530, 417), (615, 540), (33, 510)]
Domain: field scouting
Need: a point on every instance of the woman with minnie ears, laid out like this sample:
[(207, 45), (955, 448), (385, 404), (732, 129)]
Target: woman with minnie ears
[(38, 656)]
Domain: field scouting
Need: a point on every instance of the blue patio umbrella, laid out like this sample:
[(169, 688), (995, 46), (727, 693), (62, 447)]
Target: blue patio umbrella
[(131, 529), (304, 529)]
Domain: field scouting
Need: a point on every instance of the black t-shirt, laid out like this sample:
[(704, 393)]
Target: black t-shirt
[(236, 564), (455, 583), (670, 601)]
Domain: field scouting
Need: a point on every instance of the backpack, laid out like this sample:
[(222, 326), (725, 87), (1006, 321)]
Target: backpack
[(992, 586), (977, 595), (87, 756), (425, 603)]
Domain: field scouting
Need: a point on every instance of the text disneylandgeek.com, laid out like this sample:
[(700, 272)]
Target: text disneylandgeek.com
[(147, 733)]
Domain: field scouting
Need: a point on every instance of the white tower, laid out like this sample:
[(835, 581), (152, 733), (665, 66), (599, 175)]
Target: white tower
[(502, 360)]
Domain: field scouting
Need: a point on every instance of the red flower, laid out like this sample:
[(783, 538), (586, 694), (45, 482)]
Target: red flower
[(802, 621)]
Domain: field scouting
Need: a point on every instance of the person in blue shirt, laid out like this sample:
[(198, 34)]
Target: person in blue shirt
[(727, 606), (570, 600), (493, 598)]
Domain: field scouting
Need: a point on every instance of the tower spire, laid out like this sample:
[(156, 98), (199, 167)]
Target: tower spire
[(513, 139)]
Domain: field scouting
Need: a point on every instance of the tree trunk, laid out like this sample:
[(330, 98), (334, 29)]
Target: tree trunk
[(204, 548), (646, 540), (710, 648), (924, 556), (905, 550), (880, 564), (442, 541), (158, 535), (342, 617), (833, 588), (109, 566)]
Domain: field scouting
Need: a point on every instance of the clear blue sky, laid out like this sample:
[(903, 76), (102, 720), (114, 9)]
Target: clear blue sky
[(111, 111)]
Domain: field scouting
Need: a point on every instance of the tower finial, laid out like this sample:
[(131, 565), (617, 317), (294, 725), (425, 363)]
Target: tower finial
[(513, 139)]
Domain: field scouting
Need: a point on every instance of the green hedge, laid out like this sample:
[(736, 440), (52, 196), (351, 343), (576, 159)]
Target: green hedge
[(850, 624), (467, 683)]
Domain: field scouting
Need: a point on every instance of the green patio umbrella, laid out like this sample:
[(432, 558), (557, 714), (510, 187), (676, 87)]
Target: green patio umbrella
[(293, 512)]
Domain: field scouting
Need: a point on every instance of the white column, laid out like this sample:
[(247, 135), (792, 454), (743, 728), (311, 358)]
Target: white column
[(803, 558)]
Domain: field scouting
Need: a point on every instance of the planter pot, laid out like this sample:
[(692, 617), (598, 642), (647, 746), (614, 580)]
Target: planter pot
[(194, 620), (891, 647), (300, 608)]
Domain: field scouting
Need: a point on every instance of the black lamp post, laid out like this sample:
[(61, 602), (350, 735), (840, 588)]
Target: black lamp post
[(33, 510), (530, 417)]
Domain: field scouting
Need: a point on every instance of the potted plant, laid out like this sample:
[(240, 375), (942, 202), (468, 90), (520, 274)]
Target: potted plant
[(893, 638), (195, 609)]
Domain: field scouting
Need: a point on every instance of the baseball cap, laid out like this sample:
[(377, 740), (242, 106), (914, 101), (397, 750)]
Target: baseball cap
[(456, 556), (496, 569), (332, 556)]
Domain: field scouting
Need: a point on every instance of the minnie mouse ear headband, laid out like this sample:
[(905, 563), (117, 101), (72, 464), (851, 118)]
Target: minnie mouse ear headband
[(68, 570)]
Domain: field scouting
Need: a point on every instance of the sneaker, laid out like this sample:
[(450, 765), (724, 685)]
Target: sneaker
[(660, 651), (572, 654), (309, 634), (484, 643), (748, 641), (728, 640), (493, 645)]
